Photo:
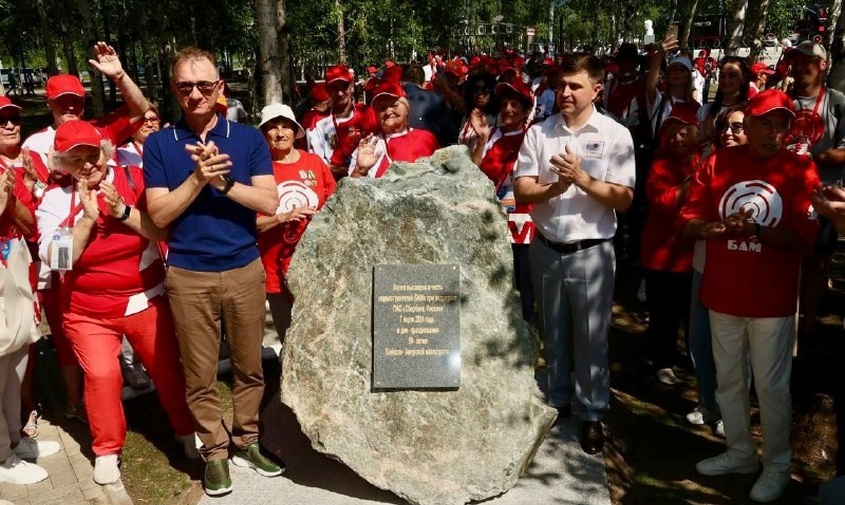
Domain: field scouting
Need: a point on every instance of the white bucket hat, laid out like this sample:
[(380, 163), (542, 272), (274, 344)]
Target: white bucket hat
[(276, 110)]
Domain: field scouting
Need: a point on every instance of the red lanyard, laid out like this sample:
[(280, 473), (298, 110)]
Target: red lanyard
[(74, 210), (818, 102)]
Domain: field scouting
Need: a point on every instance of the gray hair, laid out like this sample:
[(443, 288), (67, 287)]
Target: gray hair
[(55, 159)]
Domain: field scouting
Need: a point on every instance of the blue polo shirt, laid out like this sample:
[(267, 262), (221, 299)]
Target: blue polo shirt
[(214, 233)]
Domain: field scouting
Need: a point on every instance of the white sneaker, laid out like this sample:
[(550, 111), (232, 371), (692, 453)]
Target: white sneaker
[(33, 449), (15, 471), (719, 429), (106, 470), (723, 464), (769, 486), (667, 376), (698, 416), (190, 445)]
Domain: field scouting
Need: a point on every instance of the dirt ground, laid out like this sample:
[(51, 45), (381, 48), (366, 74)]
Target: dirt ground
[(653, 450)]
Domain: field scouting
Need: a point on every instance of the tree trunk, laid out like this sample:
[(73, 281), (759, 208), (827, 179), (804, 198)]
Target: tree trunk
[(833, 20), (685, 42), (67, 38), (269, 64), (47, 38), (736, 25), (341, 32), (836, 76), (759, 29), (89, 37), (286, 67)]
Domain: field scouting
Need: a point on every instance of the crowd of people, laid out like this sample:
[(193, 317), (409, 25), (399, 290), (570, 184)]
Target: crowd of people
[(148, 244)]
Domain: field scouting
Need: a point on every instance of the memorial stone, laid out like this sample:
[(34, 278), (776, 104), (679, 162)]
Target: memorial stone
[(431, 447)]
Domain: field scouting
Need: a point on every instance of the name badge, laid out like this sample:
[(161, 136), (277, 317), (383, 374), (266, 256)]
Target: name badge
[(61, 253), (595, 149)]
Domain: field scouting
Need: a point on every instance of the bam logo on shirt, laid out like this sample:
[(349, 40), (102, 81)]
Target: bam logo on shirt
[(741, 245), (758, 197)]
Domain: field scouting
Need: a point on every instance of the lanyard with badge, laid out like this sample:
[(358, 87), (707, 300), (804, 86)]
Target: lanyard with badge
[(61, 252)]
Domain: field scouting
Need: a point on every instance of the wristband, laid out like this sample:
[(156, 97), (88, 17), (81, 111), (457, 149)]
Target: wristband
[(126, 211), (229, 183)]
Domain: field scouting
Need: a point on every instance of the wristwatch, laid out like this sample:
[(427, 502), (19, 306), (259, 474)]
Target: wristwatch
[(229, 183), (126, 211)]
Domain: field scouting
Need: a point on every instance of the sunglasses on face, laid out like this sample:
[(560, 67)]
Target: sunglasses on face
[(204, 87), (15, 120), (735, 128), (484, 90)]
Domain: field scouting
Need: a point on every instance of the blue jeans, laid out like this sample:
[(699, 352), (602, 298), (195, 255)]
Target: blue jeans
[(701, 348)]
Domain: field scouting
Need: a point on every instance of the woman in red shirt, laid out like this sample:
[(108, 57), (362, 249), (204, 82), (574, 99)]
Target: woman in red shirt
[(97, 234), (304, 182), (666, 257), (396, 142), (495, 154)]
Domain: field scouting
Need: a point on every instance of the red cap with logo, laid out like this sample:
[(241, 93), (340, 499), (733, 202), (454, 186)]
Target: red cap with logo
[(64, 84), (338, 73), (768, 101), (388, 89), (761, 68), (454, 67), (6, 102), (75, 133)]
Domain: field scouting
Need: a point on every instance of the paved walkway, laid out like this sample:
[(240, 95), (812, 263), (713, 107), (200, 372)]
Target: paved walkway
[(70, 481)]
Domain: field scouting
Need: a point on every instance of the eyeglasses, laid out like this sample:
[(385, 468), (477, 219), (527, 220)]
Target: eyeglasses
[(204, 87), (15, 120), (735, 128), (156, 119)]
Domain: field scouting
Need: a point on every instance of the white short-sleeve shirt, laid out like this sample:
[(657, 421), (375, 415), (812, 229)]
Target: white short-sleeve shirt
[(607, 154)]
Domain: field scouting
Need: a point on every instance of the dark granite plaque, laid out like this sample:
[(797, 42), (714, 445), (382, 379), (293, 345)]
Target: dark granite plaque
[(416, 327)]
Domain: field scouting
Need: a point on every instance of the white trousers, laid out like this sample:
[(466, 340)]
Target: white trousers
[(12, 368), (768, 344)]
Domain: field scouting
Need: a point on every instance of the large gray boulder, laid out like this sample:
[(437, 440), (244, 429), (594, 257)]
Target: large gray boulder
[(429, 447)]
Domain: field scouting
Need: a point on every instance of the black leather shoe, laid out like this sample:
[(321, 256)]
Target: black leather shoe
[(563, 413), (592, 437)]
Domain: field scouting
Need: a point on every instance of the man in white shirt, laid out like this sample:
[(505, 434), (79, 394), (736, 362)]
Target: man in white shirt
[(578, 168)]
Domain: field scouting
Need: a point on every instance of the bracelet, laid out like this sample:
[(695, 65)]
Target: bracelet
[(127, 210), (229, 183)]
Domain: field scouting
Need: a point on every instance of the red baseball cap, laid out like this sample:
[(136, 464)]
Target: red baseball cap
[(683, 113), (761, 68), (768, 101), (64, 84), (388, 89), (5, 102), (516, 86), (319, 93), (454, 67), (75, 133), (338, 73)]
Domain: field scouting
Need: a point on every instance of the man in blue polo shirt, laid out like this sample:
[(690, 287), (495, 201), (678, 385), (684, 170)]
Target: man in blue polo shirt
[(206, 177)]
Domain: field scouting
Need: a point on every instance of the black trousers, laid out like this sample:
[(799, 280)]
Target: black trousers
[(667, 302)]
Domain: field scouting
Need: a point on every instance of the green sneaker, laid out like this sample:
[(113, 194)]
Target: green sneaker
[(216, 480), (251, 457)]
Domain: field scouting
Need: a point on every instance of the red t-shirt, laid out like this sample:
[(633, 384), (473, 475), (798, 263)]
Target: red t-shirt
[(621, 94), (743, 277), (663, 248), (306, 183), (500, 155), (119, 271)]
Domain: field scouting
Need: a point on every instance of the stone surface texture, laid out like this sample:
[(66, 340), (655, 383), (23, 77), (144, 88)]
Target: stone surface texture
[(428, 447)]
